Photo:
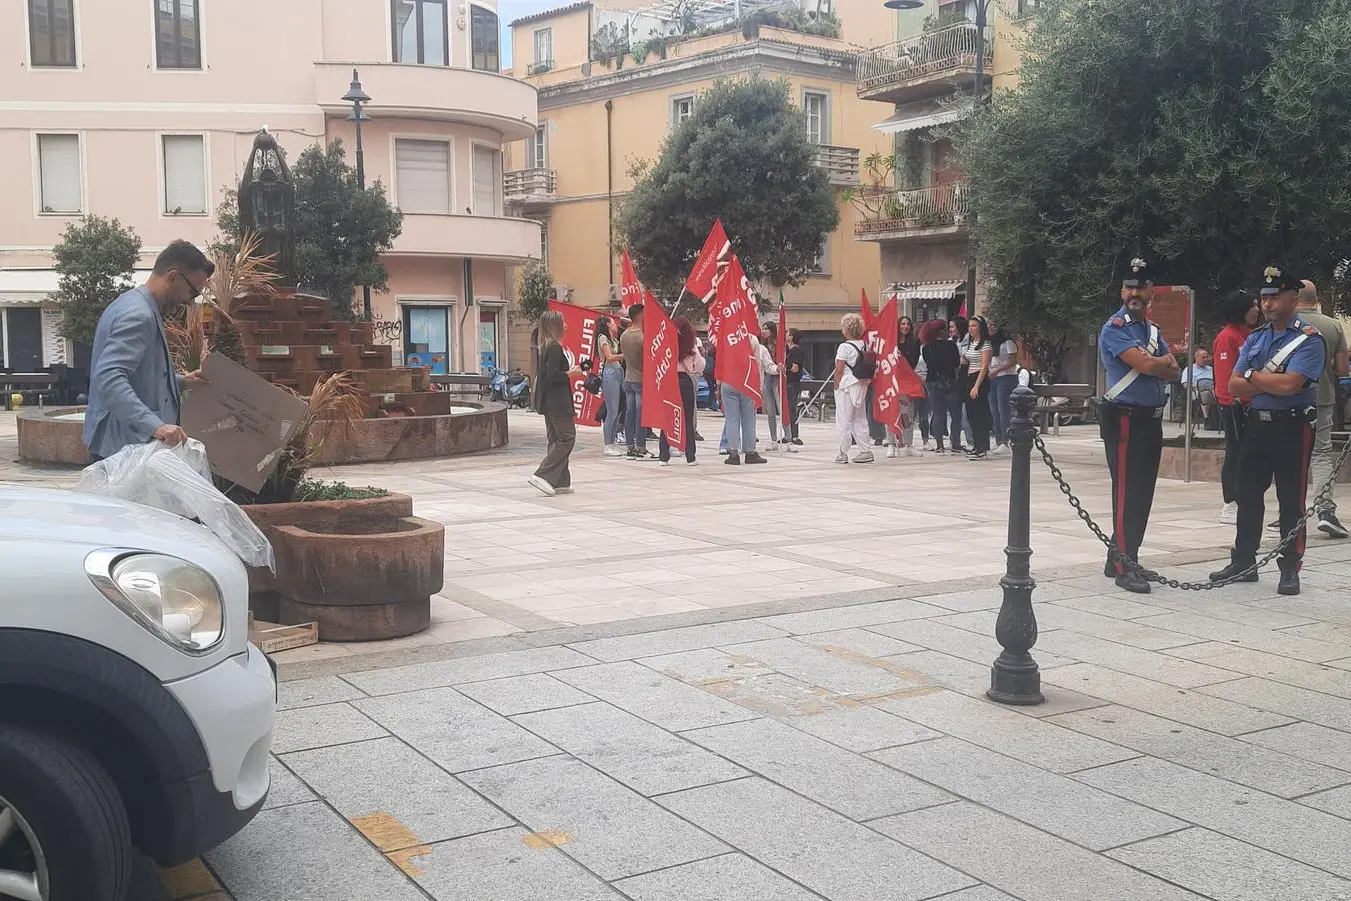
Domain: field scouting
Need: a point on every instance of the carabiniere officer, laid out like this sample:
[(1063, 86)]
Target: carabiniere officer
[(1278, 369), (1139, 366)]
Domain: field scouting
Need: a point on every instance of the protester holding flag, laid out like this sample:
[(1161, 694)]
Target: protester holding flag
[(795, 367), (689, 363), (907, 341), (611, 381), (553, 400), (853, 374), (632, 345), (732, 318), (769, 369)]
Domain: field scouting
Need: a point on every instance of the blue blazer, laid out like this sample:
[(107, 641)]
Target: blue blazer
[(133, 389)]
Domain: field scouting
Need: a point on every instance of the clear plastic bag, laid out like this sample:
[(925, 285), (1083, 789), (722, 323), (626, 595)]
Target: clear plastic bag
[(177, 479)]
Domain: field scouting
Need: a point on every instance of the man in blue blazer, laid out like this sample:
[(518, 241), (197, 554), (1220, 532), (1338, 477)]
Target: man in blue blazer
[(134, 392)]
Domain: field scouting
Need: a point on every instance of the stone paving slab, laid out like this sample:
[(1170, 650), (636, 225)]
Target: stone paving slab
[(715, 879), (507, 865)]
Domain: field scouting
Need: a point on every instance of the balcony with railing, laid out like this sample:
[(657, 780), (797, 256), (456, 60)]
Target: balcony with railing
[(922, 67), (840, 163), (888, 215), (530, 187)]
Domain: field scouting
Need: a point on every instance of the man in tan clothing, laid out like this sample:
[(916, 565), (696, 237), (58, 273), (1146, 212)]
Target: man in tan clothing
[(1320, 469), (631, 344)]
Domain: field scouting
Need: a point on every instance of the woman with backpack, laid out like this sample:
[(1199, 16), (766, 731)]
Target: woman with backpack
[(942, 364), (854, 370)]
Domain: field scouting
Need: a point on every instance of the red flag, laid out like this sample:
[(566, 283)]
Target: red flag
[(631, 291), (894, 379), (579, 343), (781, 352), (703, 278), (661, 382), (734, 313), (866, 310)]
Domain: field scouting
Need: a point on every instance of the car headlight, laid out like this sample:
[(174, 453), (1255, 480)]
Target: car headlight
[(176, 600)]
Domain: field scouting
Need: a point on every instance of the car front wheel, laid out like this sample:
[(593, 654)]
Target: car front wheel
[(63, 826)]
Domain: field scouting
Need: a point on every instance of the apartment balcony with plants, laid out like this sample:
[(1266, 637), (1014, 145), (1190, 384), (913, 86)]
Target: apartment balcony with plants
[(936, 63)]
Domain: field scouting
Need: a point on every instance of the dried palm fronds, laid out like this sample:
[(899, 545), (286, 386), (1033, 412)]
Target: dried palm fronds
[(187, 340), (240, 274)]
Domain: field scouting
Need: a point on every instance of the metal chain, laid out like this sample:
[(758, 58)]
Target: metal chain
[(1289, 538)]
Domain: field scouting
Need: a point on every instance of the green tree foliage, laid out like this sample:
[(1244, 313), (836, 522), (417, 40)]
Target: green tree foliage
[(535, 288), (94, 258), (1211, 136), (340, 229), (743, 157)]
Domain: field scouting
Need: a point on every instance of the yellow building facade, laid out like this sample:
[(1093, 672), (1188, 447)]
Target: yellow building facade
[(600, 117)]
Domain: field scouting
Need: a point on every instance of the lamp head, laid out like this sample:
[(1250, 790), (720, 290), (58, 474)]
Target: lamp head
[(354, 92), (903, 4)]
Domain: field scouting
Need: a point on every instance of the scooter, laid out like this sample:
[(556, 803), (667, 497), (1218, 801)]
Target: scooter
[(511, 388)]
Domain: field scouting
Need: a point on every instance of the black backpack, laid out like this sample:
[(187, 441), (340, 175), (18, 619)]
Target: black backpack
[(864, 366)]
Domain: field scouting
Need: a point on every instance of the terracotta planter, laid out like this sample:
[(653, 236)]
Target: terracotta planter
[(362, 569)]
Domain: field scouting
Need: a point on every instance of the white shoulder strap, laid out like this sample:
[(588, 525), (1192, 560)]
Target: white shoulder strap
[(1153, 339), (1129, 378), (1284, 353)]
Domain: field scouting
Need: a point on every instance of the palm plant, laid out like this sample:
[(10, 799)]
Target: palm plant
[(240, 273)]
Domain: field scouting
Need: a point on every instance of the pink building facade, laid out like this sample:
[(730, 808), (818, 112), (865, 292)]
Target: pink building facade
[(145, 110)]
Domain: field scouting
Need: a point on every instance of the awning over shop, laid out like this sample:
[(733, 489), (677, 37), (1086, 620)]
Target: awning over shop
[(911, 119), (21, 287), (924, 291)]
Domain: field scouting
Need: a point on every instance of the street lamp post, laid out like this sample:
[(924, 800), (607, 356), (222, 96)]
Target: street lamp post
[(977, 96), (356, 96)]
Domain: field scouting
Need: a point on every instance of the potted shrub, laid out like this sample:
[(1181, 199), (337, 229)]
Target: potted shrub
[(354, 561)]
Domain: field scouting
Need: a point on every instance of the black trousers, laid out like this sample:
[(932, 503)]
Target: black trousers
[(1231, 420), (1279, 450), (687, 399), (1134, 445), (561, 433), (978, 411), (794, 392)]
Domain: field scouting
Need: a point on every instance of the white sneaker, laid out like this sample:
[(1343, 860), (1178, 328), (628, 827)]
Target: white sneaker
[(567, 490), (865, 457), (542, 486), (614, 450), (912, 451), (841, 458), (1001, 451), (928, 444), (663, 462), (691, 462), (891, 451), (1229, 513), (771, 446)]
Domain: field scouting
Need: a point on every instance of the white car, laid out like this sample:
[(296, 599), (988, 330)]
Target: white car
[(134, 713)]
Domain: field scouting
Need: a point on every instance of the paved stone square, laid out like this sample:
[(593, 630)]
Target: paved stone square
[(766, 684)]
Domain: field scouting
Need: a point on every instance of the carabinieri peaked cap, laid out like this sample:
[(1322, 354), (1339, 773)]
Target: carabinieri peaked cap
[(1136, 274), (1277, 279)]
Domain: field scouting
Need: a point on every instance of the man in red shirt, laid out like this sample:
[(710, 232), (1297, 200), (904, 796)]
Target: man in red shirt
[(1240, 312)]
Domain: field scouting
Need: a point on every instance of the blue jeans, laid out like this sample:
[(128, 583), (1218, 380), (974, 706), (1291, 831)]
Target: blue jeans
[(611, 387), (634, 433), (1001, 410), (739, 412)]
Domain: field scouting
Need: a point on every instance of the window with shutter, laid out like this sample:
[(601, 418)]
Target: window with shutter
[(422, 175), (51, 32), (487, 181), (184, 175), (59, 168), (815, 104), (538, 155)]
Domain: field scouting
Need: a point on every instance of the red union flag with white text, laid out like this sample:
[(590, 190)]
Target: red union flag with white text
[(716, 253), (661, 381), (895, 381), (733, 318), (579, 344), (630, 289)]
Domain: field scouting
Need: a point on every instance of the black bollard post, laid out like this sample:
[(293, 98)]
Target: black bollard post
[(1014, 677)]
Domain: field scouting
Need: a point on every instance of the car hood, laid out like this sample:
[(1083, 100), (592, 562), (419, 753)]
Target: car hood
[(75, 518)]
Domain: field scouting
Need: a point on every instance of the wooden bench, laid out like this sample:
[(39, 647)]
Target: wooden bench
[(457, 382), (1051, 416)]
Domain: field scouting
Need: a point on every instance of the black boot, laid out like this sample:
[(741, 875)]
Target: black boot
[(753, 457), (1109, 569), (1289, 582), (1132, 581), (1232, 570), (733, 458)]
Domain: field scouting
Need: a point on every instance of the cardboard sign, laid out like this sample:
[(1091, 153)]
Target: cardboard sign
[(1168, 310), (244, 420)]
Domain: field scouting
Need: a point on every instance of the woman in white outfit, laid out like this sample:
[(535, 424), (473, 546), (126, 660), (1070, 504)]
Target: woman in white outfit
[(769, 370), (851, 392)]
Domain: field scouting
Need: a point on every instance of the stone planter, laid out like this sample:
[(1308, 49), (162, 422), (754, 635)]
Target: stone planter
[(1207, 462), (52, 436), (362, 569)]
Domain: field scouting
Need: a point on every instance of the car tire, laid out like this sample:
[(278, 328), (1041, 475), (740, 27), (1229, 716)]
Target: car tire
[(73, 810)]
